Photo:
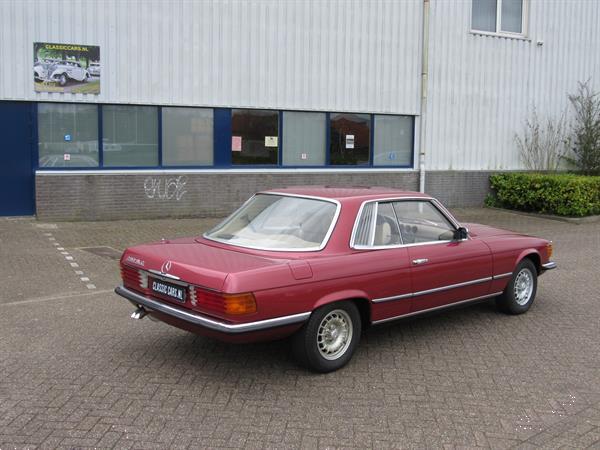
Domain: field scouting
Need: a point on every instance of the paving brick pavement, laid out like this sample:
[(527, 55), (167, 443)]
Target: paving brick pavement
[(76, 372)]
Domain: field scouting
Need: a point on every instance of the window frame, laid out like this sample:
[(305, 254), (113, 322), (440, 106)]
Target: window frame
[(499, 32), (222, 133), (434, 203)]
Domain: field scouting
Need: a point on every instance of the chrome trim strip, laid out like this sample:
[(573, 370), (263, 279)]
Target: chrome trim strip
[(206, 322), (431, 291), (285, 194), (159, 274), (416, 313), (502, 275), (549, 265)]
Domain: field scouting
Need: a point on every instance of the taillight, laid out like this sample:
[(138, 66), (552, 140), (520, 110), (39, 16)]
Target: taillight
[(143, 279), (239, 304), (193, 297), (549, 249)]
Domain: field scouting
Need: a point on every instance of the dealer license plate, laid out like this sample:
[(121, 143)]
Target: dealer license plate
[(169, 290)]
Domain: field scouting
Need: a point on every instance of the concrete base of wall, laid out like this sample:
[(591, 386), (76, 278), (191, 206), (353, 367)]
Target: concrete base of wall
[(111, 196)]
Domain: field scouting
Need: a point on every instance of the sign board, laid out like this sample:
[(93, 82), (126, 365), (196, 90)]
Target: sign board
[(66, 68)]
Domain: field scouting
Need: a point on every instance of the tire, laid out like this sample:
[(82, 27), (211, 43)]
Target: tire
[(63, 80), (320, 345), (520, 292)]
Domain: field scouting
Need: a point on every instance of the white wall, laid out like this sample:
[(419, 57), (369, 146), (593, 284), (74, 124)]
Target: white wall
[(292, 54), (482, 87)]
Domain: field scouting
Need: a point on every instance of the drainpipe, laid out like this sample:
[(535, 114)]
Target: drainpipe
[(424, 75)]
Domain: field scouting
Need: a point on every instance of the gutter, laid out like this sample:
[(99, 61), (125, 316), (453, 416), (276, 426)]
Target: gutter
[(424, 77)]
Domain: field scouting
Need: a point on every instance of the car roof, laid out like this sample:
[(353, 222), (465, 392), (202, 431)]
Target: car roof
[(341, 192)]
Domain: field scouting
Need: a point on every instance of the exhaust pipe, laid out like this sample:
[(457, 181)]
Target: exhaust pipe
[(139, 313)]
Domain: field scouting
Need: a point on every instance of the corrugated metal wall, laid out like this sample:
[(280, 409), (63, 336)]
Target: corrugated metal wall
[(317, 54), (482, 87)]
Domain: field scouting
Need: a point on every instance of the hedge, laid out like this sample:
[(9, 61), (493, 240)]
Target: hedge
[(559, 194)]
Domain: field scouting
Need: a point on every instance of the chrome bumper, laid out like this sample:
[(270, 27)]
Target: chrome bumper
[(549, 265), (203, 321)]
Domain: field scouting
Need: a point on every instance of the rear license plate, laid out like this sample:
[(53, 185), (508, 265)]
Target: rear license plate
[(169, 290)]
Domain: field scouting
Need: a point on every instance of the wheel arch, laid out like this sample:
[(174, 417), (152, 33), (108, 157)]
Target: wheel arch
[(532, 255), (359, 298)]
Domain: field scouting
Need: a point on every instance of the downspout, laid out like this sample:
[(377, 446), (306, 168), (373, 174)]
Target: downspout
[(424, 76)]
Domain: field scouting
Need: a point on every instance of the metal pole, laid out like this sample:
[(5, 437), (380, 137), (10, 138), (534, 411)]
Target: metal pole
[(424, 75)]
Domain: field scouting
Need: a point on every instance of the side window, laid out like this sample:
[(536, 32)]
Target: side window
[(377, 226), (420, 221)]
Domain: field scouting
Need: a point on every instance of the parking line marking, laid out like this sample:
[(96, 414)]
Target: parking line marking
[(74, 264), (69, 258), (64, 253), (56, 297), (91, 286), (84, 279), (79, 272)]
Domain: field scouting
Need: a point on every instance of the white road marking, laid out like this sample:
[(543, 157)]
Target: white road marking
[(91, 286), (84, 279), (73, 264), (64, 253), (79, 272), (59, 248), (69, 258), (56, 297)]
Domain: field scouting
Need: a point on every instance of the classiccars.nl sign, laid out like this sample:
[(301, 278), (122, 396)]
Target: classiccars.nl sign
[(66, 68)]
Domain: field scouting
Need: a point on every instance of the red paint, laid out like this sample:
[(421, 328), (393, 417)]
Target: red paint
[(286, 283)]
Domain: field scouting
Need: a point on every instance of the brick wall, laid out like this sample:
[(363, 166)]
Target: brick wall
[(139, 195)]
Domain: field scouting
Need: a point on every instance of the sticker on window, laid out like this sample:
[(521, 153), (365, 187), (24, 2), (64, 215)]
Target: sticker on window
[(270, 141), (349, 141), (236, 143)]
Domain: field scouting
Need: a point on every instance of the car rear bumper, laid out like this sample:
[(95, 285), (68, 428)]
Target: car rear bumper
[(193, 319), (549, 265)]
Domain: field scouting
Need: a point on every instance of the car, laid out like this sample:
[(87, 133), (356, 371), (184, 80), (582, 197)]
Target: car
[(322, 264), (62, 71), (94, 69)]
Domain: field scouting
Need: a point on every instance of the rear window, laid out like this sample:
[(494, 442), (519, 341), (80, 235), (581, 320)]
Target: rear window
[(278, 222)]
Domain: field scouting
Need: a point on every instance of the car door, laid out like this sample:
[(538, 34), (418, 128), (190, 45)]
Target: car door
[(381, 262), (443, 270)]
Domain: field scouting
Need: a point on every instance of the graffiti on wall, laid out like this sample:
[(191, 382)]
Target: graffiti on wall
[(165, 188)]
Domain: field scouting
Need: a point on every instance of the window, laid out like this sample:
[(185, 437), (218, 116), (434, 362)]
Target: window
[(377, 226), (498, 16), (304, 138), (277, 222), (130, 135), (254, 136), (420, 221), (187, 138), (350, 136), (68, 135), (393, 141), (400, 222)]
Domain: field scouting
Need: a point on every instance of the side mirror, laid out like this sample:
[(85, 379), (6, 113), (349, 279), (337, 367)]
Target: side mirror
[(461, 234)]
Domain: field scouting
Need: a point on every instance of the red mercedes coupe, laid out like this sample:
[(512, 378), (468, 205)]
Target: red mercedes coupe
[(321, 264)]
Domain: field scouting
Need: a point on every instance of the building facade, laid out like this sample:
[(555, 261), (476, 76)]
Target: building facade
[(184, 108)]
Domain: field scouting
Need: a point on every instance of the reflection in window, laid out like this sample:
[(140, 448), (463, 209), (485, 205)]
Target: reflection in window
[(130, 135), (393, 141), (254, 136), (187, 136), (420, 221), (350, 136), (304, 138), (68, 135)]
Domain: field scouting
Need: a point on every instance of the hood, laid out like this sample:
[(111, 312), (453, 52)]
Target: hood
[(477, 230), (194, 262)]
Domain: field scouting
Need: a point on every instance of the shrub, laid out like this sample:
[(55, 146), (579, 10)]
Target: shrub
[(560, 194)]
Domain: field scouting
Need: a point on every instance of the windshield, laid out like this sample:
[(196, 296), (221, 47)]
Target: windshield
[(278, 222)]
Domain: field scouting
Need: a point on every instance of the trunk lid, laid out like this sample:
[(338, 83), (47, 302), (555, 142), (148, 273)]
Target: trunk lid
[(194, 262)]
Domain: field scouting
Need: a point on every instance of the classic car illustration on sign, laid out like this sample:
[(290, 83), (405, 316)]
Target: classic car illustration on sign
[(321, 264)]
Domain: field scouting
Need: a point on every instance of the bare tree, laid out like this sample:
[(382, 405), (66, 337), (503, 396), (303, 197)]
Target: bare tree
[(542, 145), (586, 129)]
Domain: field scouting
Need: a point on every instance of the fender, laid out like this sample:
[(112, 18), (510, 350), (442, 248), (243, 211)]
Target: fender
[(340, 296), (528, 252)]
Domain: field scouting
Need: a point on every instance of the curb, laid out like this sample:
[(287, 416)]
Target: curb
[(575, 220)]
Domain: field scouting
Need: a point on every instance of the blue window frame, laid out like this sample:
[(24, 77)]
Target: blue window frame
[(383, 140)]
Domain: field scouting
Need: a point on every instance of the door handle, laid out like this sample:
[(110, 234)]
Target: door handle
[(417, 262)]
